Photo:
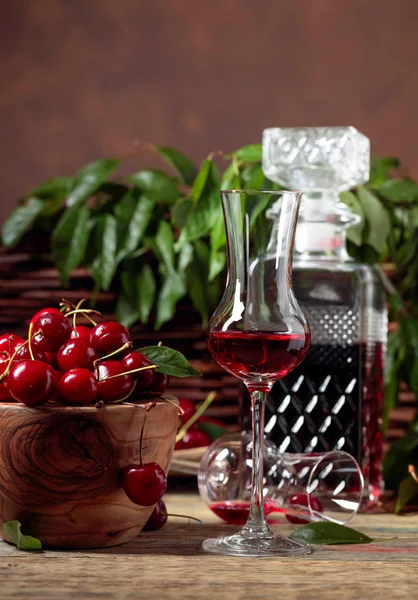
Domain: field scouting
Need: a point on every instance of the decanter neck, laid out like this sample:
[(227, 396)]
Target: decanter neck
[(321, 230)]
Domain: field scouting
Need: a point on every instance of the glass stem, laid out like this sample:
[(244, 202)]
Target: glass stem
[(256, 519)]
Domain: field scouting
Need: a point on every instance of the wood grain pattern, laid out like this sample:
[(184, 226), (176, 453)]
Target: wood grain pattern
[(170, 564), (82, 79), (60, 469)]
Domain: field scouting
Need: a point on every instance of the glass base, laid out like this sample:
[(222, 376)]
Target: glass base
[(266, 545)]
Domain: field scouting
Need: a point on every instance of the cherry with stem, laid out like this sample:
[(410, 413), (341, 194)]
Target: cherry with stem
[(144, 484)]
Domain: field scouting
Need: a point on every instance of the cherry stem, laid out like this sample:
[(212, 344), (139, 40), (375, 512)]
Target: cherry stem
[(75, 316), (7, 371), (29, 341), (66, 305), (125, 397), (121, 349), (412, 472), (141, 437), (182, 516), (201, 409), (85, 312), (129, 372), (180, 410)]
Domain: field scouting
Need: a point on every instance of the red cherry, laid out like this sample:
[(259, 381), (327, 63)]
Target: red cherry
[(31, 382), (158, 517), (189, 409), (82, 332), (24, 353), (108, 336), (55, 331), (193, 438), (5, 395), (55, 398), (144, 485), (117, 388), (76, 353), (136, 360), (51, 359), (78, 387), (9, 342), (159, 383), (49, 310), (302, 500)]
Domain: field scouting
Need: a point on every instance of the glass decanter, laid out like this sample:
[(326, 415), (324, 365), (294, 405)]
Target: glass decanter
[(334, 399), (259, 334)]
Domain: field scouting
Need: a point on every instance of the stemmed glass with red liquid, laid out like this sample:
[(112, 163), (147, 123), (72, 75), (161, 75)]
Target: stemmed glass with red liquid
[(259, 334)]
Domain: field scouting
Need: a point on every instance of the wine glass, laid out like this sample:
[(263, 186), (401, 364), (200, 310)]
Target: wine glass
[(259, 334), (321, 486)]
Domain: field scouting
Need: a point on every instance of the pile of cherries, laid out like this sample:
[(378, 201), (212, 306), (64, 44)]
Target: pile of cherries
[(70, 364)]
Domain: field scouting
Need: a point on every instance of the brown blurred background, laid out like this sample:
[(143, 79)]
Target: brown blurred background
[(81, 79)]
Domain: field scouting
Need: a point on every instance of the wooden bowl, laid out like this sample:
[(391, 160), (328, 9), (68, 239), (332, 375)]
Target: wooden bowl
[(60, 470)]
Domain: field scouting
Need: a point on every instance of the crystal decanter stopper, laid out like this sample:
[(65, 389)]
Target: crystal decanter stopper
[(321, 162)]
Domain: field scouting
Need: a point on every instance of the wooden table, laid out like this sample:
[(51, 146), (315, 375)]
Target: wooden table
[(170, 564)]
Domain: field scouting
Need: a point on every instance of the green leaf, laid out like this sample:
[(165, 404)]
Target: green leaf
[(124, 208), (146, 291), (217, 262), (253, 177), (89, 179), (218, 233), (399, 190), (380, 168), (184, 167), (231, 179), (202, 218), (125, 312), (169, 361), (408, 490), (323, 533), (180, 211), (377, 225), (172, 290), (213, 431), (156, 185), (20, 221), (138, 224), (164, 241), (355, 232), (203, 293), (53, 187), (201, 179), (197, 280), (104, 265), (24, 542), (185, 257), (403, 452), (69, 240), (250, 153)]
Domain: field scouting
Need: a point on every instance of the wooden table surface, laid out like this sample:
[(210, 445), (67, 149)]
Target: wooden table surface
[(171, 564)]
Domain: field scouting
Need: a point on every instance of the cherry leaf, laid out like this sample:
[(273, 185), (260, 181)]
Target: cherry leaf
[(24, 542)]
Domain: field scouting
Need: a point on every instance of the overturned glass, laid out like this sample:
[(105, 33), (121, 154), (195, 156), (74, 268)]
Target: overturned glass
[(325, 486)]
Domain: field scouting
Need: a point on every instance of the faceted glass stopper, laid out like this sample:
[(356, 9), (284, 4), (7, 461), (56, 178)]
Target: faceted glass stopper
[(316, 158)]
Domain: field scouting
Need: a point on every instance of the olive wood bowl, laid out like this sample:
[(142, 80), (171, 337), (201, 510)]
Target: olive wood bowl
[(60, 469)]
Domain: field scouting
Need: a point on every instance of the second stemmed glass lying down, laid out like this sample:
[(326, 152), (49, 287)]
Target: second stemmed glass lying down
[(325, 486), (259, 334)]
